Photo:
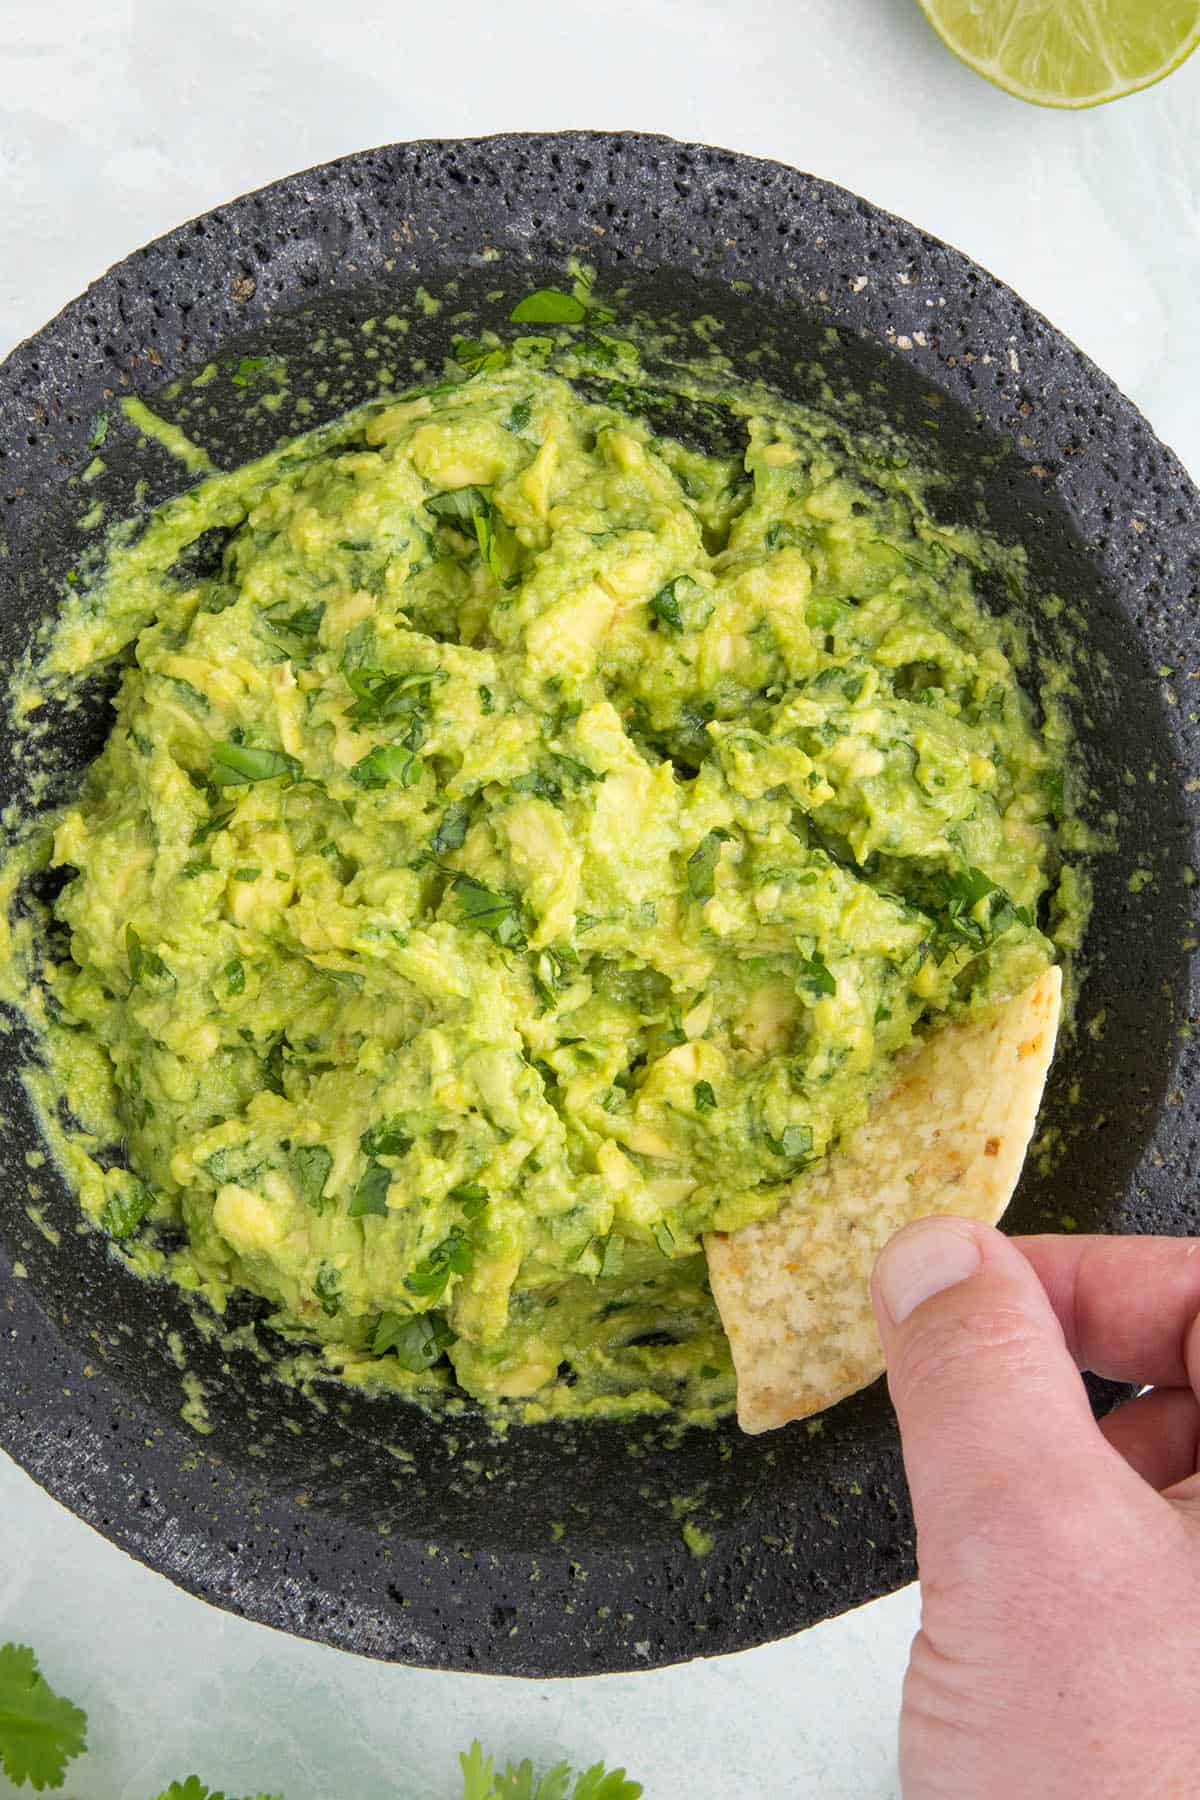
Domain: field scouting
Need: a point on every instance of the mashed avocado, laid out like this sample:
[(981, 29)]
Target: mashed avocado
[(523, 844)]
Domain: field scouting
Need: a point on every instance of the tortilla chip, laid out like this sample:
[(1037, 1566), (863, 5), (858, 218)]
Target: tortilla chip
[(949, 1136)]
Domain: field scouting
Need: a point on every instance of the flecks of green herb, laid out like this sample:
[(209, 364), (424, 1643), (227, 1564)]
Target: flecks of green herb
[(124, 1212), (704, 1097), (794, 1144), (311, 1164), (370, 1194), (473, 356), (305, 622), (387, 765), (816, 975), (146, 967), (235, 976), (251, 369), (237, 765), (452, 829), (418, 1340), (217, 822), (499, 915), (325, 1287), (665, 606), (453, 1256), (389, 1139), (472, 1197), (702, 865)]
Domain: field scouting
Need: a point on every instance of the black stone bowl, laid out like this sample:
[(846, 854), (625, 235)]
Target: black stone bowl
[(559, 1551)]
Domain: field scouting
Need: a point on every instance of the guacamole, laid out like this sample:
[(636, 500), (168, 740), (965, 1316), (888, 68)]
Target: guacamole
[(524, 843)]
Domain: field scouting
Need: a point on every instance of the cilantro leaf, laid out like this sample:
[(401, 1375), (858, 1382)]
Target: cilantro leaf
[(702, 865), (958, 894), (370, 1196), (325, 1287), (816, 975), (124, 1212), (305, 622), (478, 1776), (418, 1339), (312, 1164), (598, 1783), (548, 306), (704, 1098), (795, 1143), (518, 419), (386, 765), (217, 822), (388, 1139), (665, 607), (470, 354), (235, 976), (483, 1781), (453, 1256), (39, 1731), (234, 765), (383, 697), (146, 967), (452, 831), (458, 506), (251, 369), (194, 1789), (499, 915)]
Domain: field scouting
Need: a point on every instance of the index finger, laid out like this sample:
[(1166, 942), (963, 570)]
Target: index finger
[(1127, 1305)]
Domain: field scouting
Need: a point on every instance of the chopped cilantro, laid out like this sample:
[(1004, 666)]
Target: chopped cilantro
[(387, 765), (471, 1197), (795, 1143), (390, 1139), (325, 1287), (417, 1339), (370, 1195), (702, 865), (235, 976), (146, 967), (251, 369), (499, 915), (816, 975), (453, 1256), (452, 831), (124, 1212), (311, 1164), (235, 765), (704, 1098)]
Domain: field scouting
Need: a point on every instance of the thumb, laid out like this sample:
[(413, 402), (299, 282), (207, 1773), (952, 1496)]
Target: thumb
[(999, 1441)]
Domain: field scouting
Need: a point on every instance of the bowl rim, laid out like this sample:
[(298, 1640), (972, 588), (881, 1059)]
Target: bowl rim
[(882, 277)]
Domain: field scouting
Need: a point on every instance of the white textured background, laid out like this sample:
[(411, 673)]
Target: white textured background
[(119, 120)]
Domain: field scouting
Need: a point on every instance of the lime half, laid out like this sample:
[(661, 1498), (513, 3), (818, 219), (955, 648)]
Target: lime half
[(1068, 52)]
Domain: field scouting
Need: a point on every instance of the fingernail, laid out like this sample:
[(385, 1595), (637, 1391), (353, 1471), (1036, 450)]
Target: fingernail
[(923, 1260)]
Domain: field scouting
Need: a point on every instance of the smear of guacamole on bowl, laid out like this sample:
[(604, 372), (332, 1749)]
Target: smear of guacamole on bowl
[(524, 843)]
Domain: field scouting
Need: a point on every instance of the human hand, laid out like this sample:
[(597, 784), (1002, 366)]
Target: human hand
[(1059, 1559)]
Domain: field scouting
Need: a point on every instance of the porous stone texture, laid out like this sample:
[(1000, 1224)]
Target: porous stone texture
[(559, 1550)]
